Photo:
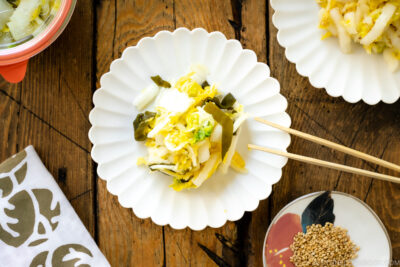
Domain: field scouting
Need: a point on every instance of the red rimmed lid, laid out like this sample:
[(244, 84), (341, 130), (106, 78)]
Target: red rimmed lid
[(13, 61)]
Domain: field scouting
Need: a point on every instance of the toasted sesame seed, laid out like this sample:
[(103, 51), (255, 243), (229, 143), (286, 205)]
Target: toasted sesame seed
[(323, 246)]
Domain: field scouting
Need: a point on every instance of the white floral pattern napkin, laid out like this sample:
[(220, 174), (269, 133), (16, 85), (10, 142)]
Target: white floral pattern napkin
[(38, 226)]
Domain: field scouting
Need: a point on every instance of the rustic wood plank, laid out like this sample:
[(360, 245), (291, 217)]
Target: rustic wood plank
[(383, 197), (49, 110), (182, 247), (208, 14), (253, 32), (367, 128), (123, 23), (10, 89), (9, 110), (69, 164), (253, 36), (124, 239), (374, 139), (10, 95), (57, 87), (66, 162)]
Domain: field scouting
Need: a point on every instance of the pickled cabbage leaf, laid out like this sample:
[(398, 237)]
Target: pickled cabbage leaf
[(20, 22), (180, 184), (6, 10)]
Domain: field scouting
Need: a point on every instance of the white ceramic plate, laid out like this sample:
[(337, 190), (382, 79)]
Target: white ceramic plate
[(353, 76), (234, 69), (364, 227)]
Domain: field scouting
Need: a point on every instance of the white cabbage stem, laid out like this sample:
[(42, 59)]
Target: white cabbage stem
[(146, 97), (209, 166), (380, 25), (350, 25), (344, 37), (204, 151)]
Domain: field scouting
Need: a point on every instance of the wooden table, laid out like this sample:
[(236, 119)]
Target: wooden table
[(50, 109)]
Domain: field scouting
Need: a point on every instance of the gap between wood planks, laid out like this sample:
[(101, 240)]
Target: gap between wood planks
[(94, 80), (19, 114), (163, 227)]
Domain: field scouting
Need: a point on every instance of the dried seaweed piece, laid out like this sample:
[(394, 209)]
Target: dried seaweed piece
[(160, 82), (228, 101), (214, 99), (205, 84), (141, 125), (226, 123)]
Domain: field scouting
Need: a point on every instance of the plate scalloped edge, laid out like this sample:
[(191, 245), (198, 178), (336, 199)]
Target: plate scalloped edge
[(221, 198), (361, 76)]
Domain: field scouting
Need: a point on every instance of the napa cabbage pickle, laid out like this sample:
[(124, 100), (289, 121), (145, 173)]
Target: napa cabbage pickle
[(192, 130), (226, 123), (180, 184), (204, 132), (22, 20)]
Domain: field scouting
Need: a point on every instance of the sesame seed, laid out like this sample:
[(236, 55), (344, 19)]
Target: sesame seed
[(327, 245)]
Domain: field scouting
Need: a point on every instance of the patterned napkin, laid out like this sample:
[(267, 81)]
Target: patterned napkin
[(38, 226)]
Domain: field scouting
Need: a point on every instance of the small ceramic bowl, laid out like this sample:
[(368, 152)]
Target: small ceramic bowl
[(356, 76), (233, 69), (14, 60), (364, 227)]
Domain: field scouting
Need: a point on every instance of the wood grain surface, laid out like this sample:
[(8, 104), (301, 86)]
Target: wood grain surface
[(50, 109)]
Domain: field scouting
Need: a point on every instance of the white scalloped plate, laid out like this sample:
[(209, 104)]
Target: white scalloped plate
[(356, 76), (234, 69)]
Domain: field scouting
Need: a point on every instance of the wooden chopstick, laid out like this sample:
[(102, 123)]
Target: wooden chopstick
[(327, 164), (333, 145)]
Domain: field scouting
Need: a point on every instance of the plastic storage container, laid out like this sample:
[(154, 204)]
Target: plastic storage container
[(13, 61)]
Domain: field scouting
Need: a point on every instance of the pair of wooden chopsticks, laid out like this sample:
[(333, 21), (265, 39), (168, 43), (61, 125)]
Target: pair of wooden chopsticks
[(328, 164)]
